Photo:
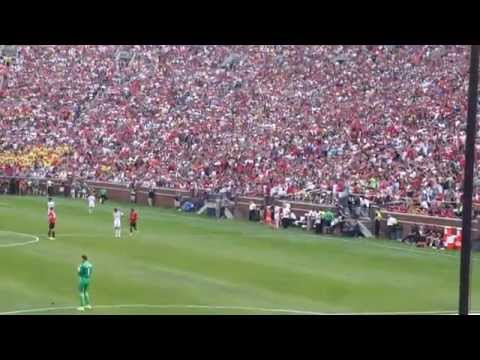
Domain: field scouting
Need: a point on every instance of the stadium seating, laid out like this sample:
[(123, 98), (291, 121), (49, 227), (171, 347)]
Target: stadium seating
[(384, 121)]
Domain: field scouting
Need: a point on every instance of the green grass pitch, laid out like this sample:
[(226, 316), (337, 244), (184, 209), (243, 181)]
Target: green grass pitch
[(189, 264)]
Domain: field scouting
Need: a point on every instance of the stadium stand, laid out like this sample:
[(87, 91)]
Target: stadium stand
[(310, 123)]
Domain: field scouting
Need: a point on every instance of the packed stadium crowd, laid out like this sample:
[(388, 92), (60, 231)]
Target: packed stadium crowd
[(385, 122)]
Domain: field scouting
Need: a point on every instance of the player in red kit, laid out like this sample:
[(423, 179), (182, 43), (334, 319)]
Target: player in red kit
[(52, 219), (133, 221)]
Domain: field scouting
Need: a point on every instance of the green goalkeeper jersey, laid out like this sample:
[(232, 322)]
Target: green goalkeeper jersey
[(85, 270)]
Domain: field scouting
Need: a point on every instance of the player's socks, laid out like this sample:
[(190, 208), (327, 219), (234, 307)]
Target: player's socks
[(82, 300), (87, 300)]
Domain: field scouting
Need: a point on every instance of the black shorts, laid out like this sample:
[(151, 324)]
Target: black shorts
[(133, 225), (51, 226)]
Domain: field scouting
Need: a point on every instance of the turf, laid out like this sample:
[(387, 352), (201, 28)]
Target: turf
[(220, 267)]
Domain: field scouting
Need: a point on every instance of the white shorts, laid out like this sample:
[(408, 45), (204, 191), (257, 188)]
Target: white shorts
[(116, 224), (91, 205)]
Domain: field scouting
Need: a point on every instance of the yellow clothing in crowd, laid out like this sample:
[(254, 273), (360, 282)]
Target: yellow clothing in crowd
[(45, 156)]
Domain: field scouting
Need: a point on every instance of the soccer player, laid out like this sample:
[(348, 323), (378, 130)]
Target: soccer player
[(117, 223), (133, 221), (84, 273), (50, 203), (91, 203), (52, 219)]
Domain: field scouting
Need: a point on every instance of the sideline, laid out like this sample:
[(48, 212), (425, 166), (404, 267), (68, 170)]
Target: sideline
[(222, 307)]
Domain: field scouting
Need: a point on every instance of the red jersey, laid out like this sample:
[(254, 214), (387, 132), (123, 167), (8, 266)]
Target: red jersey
[(133, 217), (52, 217)]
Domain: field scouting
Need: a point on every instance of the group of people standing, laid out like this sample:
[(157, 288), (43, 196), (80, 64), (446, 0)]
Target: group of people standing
[(274, 216)]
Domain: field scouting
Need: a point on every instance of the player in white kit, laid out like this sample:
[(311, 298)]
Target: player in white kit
[(117, 223), (91, 203), (50, 204)]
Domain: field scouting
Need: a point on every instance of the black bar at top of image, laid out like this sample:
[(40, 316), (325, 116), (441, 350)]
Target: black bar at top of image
[(466, 250)]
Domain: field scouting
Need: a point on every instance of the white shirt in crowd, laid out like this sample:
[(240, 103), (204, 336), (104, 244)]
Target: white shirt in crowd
[(276, 213), (424, 204), (392, 221)]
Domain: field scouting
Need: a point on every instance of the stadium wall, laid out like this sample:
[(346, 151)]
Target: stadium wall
[(164, 197)]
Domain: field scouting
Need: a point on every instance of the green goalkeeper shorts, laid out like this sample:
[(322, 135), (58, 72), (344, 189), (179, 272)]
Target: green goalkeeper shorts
[(83, 285)]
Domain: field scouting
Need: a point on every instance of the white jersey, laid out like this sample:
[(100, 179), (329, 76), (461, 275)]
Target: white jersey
[(50, 204), (117, 216), (91, 201)]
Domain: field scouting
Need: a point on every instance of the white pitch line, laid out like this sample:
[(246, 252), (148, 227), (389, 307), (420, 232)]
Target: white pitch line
[(35, 239), (222, 307)]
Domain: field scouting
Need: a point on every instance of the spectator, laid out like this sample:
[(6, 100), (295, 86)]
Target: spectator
[(378, 220), (151, 196), (133, 195), (302, 122), (251, 211), (103, 195), (327, 218), (392, 225), (319, 222), (414, 235)]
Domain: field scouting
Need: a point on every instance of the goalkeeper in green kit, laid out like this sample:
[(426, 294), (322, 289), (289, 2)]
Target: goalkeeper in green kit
[(84, 274)]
